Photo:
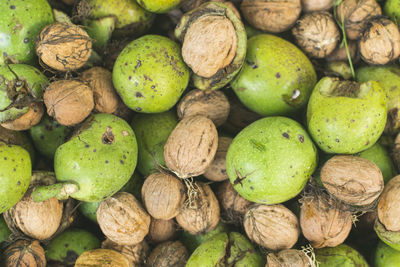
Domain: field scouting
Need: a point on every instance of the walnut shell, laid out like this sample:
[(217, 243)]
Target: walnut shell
[(355, 13), (388, 206), (354, 180), (136, 254), (63, 46), (68, 101), (24, 253), (122, 219), (316, 5), (191, 146), (211, 104), (168, 254), (340, 54), (317, 34), (380, 42), (274, 227), (217, 169), (100, 81), (324, 222), (288, 258), (161, 230), (26, 121), (163, 195), (271, 15), (203, 214), (102, 257), (233, 206)]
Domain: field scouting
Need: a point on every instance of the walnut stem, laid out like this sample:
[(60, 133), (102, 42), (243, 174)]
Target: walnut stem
[(60, 190)]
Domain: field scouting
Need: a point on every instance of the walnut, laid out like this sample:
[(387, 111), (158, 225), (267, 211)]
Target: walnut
[(26, 121), (168, 254), (388, 208), (217, 169), (340, 54), (102, 257), (161, 230), (316, 5), (288, 258), (24, 253), (136, 254)]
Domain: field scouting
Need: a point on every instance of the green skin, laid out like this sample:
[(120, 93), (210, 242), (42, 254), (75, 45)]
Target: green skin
[(152, 131), (276, 79), (89, 210), (392, 9), (20, 23), (251, 31), (134, 185), (66, 247), (100, 31), (99, 169), (343, 124), (159, 6), (15, 174), (340, 256), (5, 232), (390, 238), (150, 75), (19, 138), (386, 256), (271, 160), (48, 135)]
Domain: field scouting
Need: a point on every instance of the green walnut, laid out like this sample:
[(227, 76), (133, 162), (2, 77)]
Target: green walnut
[(346, 117), (386, 256), (15, 174), (5, 232), (159, 6), (89, 210), (339, 256), (20, 23), (276, 79), (150, 75), (225, 249), (271, 160), (152, 131), (392, 9), (213, 44), (389, 79), (18, 138)]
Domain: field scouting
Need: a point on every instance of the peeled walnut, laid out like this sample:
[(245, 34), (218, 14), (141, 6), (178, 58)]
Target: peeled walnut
[(24, 253), (100, 81), (161, 230), (26, 121), (211, 104), (217, 169), (122, 219), (68, 101), (233, 206), (202, 215), (63, 46), (272, 226), (380, 42), (317, 34), (316, 5), (191, 146), (136, 254), (163, 195), (354, 180), (168, 254), (324, 221), (271, 15), (388, 206), (355, 13), (102, 257), (340, 54), (288, 258)]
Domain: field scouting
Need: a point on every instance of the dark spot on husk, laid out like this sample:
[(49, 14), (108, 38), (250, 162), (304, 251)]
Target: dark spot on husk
[(26, 40), (337, 140), (106, 162), (19, 183), (139, 94), (301, 138), (12, 7), (108, 137), (278, 75), (121, 161), (138, 108), (252, 64), (285, 135)]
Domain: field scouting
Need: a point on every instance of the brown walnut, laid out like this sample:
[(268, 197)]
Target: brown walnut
[(161, 230), (217, 169), (24, 253), (26, 121), (136, 254), (168, 254), (340, 54), (388, 206), (288, 258), (316, 5), (102, 257)]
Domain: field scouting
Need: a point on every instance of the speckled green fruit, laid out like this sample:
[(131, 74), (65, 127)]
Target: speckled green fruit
[(48, 135), (386, 256), (346, 117), (89, 210), (152, 131), (100, 30), (66, 248), (340, 256), (271, 160), (225, 249), (20, 23), (19, 138), (276, 79), (15, 174), (100, 159), (159, 6), (150, 75), (392, 9), (5, 232)]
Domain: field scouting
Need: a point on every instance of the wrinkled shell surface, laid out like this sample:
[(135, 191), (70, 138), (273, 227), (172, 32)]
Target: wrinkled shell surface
[(339, 54), (68, 101), (316, 5), (217, 170), (271, 15), (353, 180), (163, 195), (102, 257), (136, 254), (191, 146), (24, 253), (26, 121), (211, 104), (161, 230), (64, 46), (168, 254), (288, 258), (272, 226), (388, 206), (122, 219)]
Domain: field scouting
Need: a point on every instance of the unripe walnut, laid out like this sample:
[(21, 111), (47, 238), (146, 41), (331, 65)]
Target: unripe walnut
[(168, 254), (136, 254), (26, 121), (24, 253), (388, 206), (217, 169)]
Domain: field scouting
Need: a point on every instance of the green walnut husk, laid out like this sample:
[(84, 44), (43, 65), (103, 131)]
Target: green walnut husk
[(346, 117), (388, 237), (392, 9), (338, 69), (277, 78), (20, 85), (225, 249), (100, 30), (386, 256), (48, 135), (340, 256), (60, 16), (152, 131), (134, 185), (5, 232), (159, 6), (18, 138), (20, 23), (89, 210), (64, 249), (224, 75), (389, 79)]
